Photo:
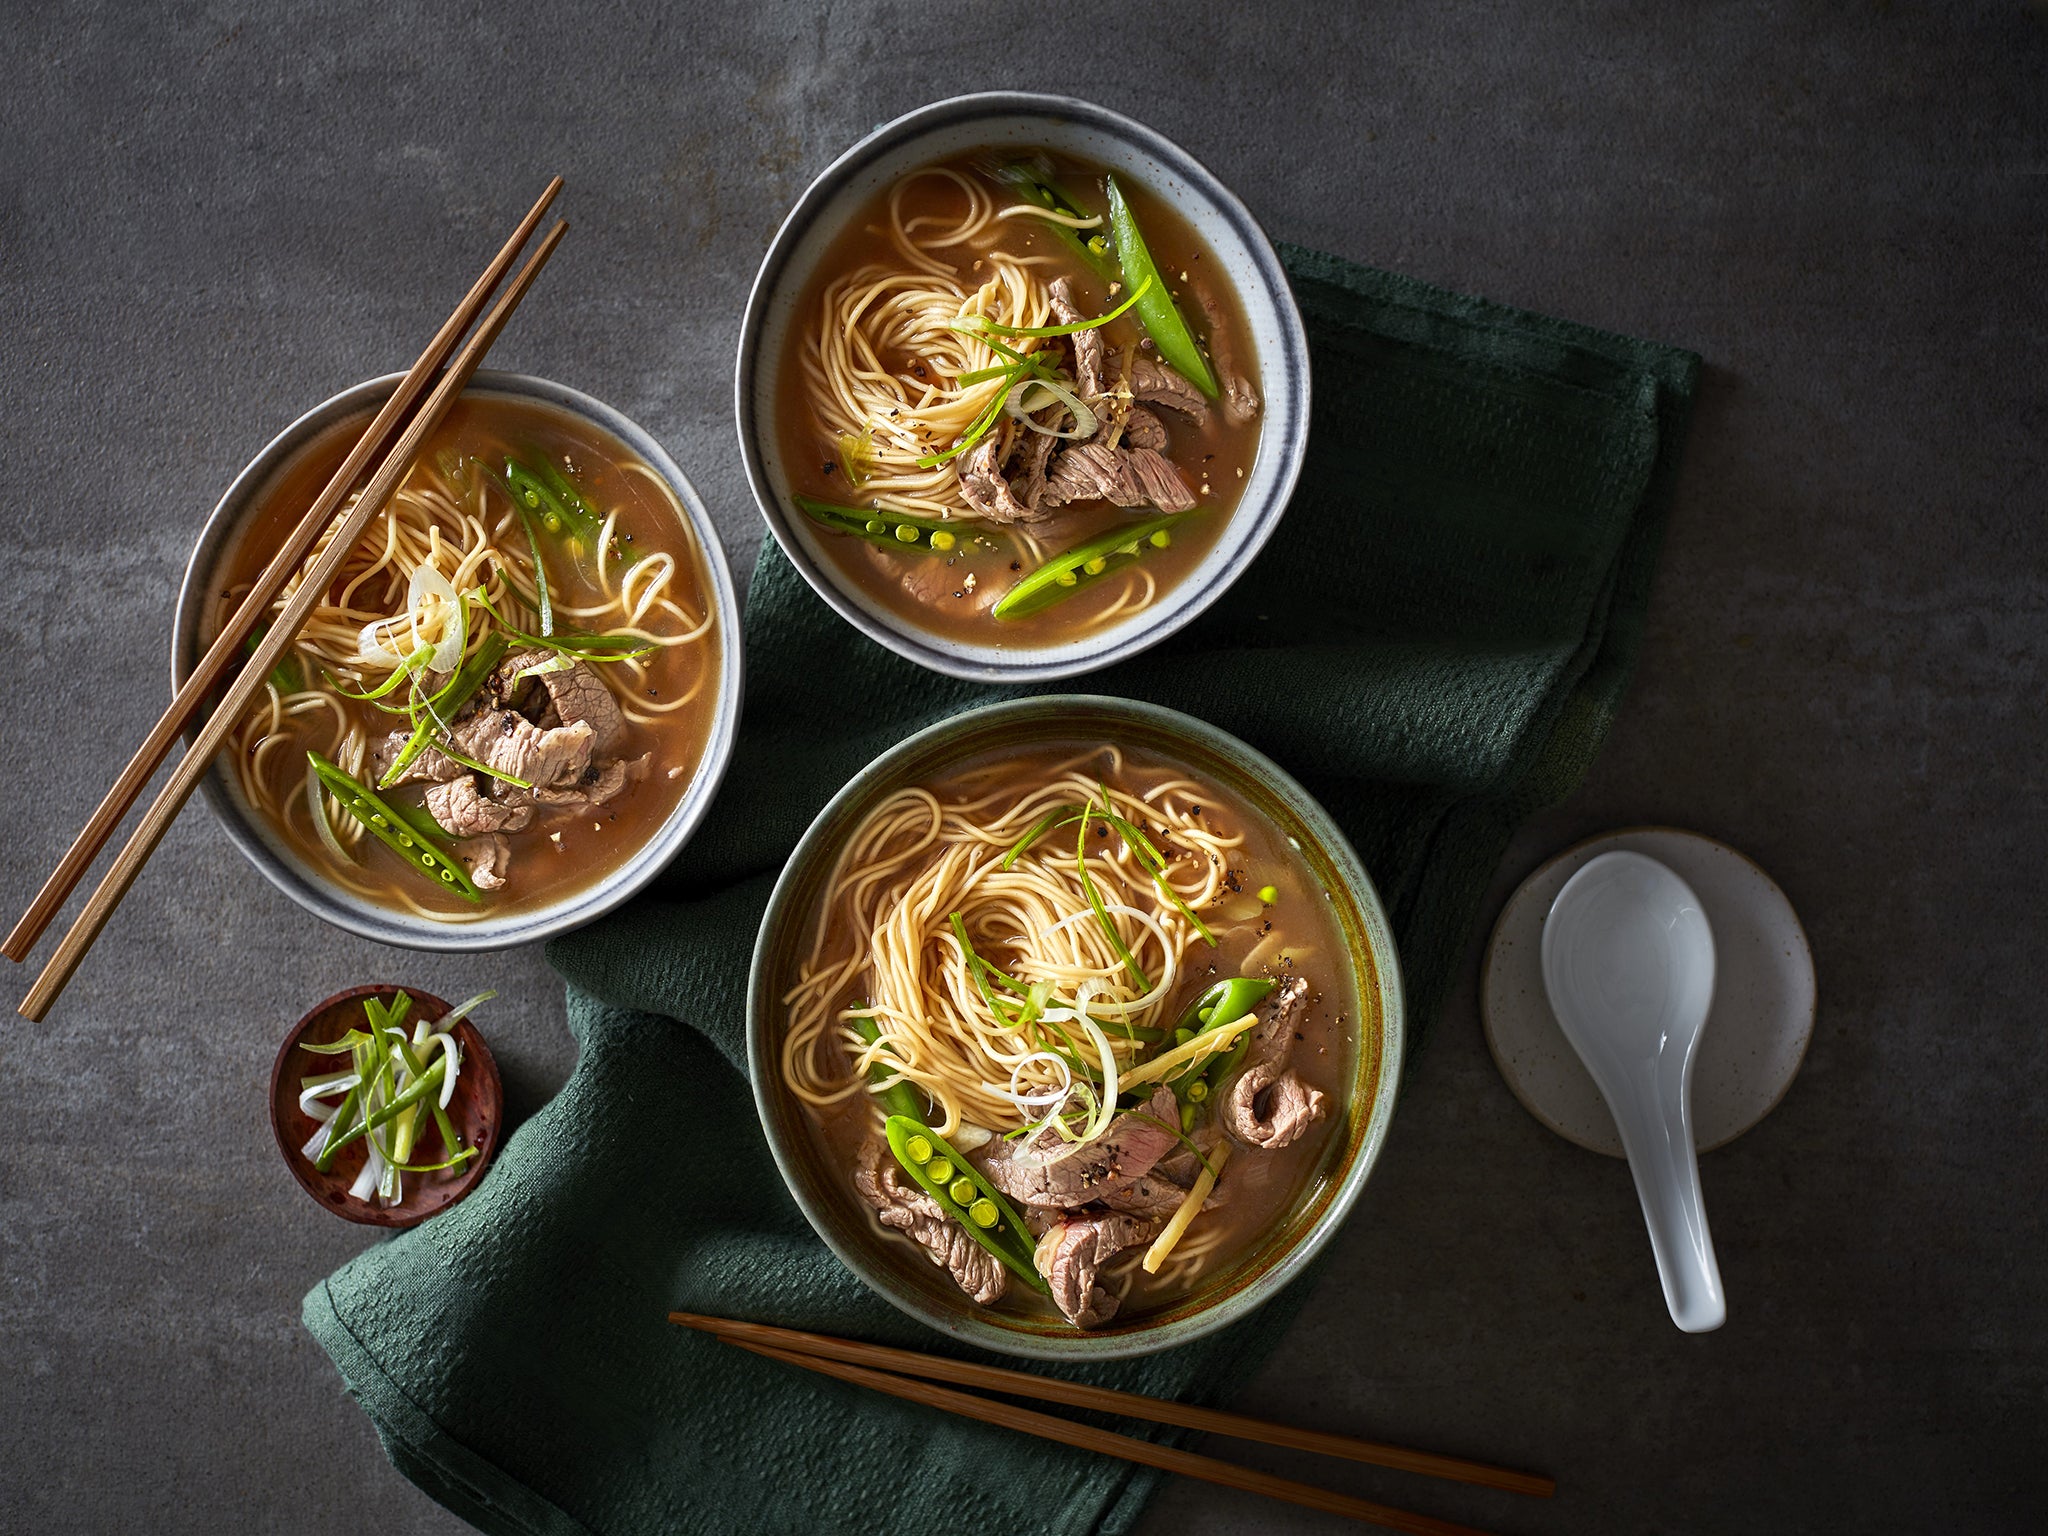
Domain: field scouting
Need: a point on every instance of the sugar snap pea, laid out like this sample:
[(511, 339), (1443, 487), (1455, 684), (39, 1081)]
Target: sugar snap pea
[(389, 828), (1224, 1003), (989, 1218), (891, 530), (1066, 573), (899, 1098), (1034, 185), (1161, 316)]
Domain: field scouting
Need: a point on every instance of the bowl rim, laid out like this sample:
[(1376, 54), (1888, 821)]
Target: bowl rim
[(403, 930), (967, 1326), (1248, 528), (476, 1058)]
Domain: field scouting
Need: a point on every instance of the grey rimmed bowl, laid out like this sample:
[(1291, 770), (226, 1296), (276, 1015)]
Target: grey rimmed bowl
[(1059, 123), (281, 864), (904, 1277)]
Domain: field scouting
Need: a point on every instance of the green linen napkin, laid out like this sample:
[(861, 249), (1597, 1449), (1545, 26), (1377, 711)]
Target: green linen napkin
[(1435, 642)]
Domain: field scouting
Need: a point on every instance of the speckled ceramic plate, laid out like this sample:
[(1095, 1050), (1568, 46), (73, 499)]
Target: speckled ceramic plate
[(1756, 1033), (292, 874), (1066, 126), (918, 1288)]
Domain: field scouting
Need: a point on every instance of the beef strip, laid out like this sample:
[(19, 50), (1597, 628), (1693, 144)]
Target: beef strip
[(1032, 459), (458, 807), (1181, 1165), (905, 1208), (1154, 383), (1144, 429), (1071, 1254), (510, 743), (1160, 479), (1152, 1198), (1268, 1105), (1135, 477), (1240, 400), (1086, 345), (982, 483), (579, 694), (1051, 1171), (489, 859)]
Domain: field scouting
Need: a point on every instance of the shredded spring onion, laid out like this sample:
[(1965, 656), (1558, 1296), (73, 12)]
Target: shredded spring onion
[(1018, 408), (394, 1084)]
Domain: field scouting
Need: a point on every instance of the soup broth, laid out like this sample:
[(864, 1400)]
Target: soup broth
[(630, 613), (888, 954), (897, 358)]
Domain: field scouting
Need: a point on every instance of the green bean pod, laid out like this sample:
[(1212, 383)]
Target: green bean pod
[(1163, 320), (889, 530), (1067, 573), (389, 829), (899, 1098), (919, 1148)]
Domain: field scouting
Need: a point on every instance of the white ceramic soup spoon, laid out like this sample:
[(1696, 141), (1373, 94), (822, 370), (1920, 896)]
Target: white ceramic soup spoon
[(1628, 961)]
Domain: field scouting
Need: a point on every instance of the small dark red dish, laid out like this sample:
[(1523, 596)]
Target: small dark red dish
[(477, 1111)]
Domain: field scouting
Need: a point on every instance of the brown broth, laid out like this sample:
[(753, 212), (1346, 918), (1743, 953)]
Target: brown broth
[(545, 867), (1296, 934), (951, 595)]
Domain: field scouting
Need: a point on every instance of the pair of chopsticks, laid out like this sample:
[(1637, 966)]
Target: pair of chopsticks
[(892, 1371), (228, 650)]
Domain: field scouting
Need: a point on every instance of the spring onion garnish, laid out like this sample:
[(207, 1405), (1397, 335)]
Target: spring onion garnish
[(977, 324), (577, 646), (390, 829), (1161, 317), (431, 714), (1052, 818), (1147, 853), (979, 430), (893, 1091), (1102, 916), (392, 1086), (1019, 408), (287, 676)]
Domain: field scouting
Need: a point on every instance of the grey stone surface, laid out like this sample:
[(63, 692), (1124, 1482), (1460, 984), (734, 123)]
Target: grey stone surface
[(213, 215)]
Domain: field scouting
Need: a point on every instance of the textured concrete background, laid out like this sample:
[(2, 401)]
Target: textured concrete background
[(212, 216)]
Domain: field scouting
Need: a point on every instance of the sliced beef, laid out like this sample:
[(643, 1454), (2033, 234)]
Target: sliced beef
[(1138, 477), (460, 809), (430, 767), (1182, 1166), (488, 859), (505, 688), (1154, 383), (903, 1207), (1152, 1198), (1159, 479), (1240, 400), (1053, 1172), (1087, 345), (1268, 1105), (982, 483), (510, 743), (1071, 1254), (1032, 459), (1144, 429), (1090, 472), (579, 694)]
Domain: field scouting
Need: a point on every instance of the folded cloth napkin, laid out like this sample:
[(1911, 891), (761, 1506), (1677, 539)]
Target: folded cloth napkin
[(1434, 642)]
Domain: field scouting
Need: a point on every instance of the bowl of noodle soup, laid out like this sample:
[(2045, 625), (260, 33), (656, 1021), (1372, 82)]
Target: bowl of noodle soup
[(940, 945), (959, 428), (503, 718)]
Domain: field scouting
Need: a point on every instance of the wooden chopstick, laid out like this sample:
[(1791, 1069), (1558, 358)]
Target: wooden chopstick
[(193, 765), (220, 657), (1185, 1463), (1129, 1405)]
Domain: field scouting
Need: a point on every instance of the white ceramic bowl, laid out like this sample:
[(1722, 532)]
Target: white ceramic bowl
[(1061, 124), (282, 865)]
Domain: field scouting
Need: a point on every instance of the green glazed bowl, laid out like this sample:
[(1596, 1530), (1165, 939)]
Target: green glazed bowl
[(901, 1275)]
